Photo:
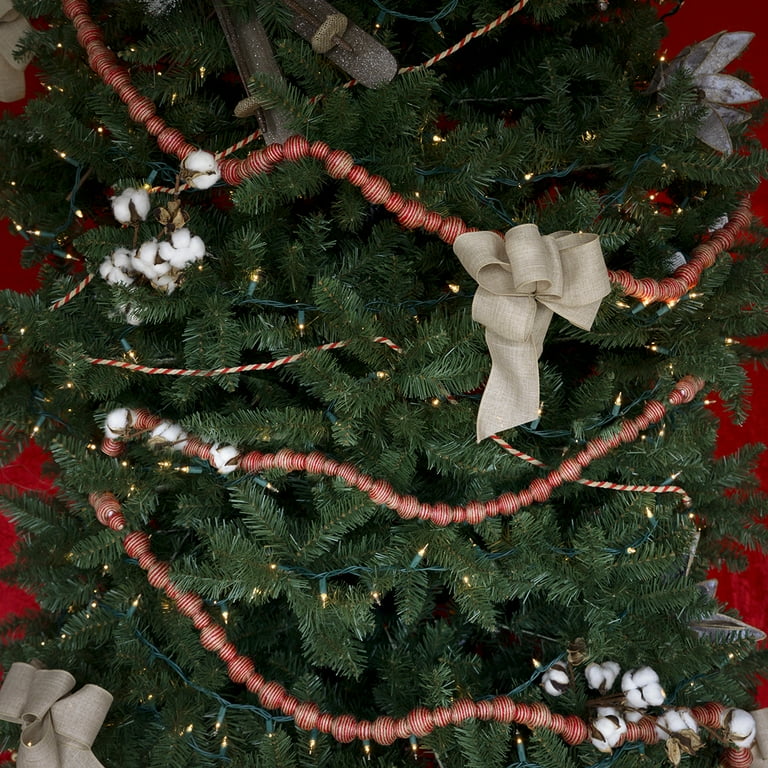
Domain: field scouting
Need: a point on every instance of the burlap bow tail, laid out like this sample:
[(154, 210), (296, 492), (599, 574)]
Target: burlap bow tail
[(57, 731), (522, 280), (13, 26), (760, 747)]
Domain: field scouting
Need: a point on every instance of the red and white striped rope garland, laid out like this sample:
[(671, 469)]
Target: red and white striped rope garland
[(287, 360), (205, 373), (604, 484), (79, 288), (409, 507), (468, 38), (498, 21), (339, 164), (385, 730)]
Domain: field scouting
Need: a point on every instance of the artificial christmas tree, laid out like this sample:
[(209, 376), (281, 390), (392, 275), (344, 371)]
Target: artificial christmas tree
[(305, 514)]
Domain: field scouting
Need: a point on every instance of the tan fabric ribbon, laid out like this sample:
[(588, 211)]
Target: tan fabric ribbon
[(522, 279), (760, 747), (57, 731), (13, 26)]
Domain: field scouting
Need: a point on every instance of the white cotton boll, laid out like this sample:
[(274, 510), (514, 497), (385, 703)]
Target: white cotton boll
[(654, 694), (674, 721), (633, 716), (200, 170), (637, 678), (601, 677), (147, 260), (223, 458), (166, 433), (642, 689), (608, 730), (166, 250), (182, 249), (121, 209), (166, 283), (116, 276), (145, 257), (130, 204), (181, 238), (197, 248), (105, 269), (556, 680), (177, 258), (634, 698), (600, 744), (122, 258), (740, 727), (116, 268), (117, 422)]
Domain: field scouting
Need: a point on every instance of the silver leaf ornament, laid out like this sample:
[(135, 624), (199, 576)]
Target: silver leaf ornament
[(13, 27), (719, 92)]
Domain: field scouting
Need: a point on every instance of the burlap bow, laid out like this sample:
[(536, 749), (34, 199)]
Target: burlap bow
[(522, 280), (760, 747), (57, 731), (13, 26)]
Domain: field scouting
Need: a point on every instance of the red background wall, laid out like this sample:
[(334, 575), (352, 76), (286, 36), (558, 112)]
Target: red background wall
[(694, 21)]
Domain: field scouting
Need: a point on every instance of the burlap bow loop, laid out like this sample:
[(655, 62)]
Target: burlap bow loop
[(522, 279), (13, 26), (57, 731)]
